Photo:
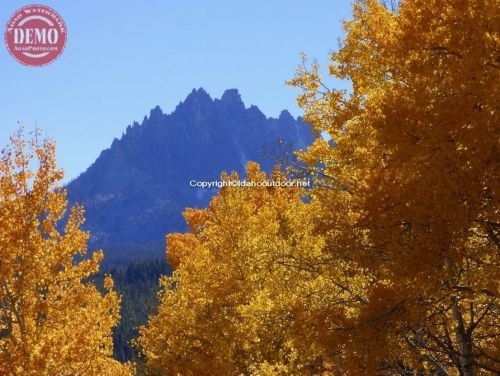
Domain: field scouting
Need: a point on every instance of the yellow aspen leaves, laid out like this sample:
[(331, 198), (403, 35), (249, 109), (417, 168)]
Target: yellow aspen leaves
[(391, 264), (53, 320), (388, 265), (252, 289), (416, 147)]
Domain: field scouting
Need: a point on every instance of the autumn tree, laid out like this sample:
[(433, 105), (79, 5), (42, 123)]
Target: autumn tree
[(415, 159), (389, 265), (53, 320), (250, 279)]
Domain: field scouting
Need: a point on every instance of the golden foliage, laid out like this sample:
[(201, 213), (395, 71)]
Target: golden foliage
[(417, 152), (52, 320), (251, 275), (391, 265)]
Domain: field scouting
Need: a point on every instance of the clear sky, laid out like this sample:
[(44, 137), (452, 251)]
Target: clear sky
[(125, 57)]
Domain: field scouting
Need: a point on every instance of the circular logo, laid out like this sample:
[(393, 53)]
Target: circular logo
[(35, 35)]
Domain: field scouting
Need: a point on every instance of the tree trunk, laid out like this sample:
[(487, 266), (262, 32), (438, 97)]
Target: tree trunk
[(464, 341), (466, 355)]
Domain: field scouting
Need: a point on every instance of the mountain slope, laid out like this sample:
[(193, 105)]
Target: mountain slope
[(135, 192)]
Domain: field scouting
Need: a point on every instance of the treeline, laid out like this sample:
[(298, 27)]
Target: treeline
[(138, 285)]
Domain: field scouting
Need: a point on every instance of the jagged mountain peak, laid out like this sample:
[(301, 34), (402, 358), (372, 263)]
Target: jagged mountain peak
[(156, 115), (231, 98), (197, 98), (135, 192), (286, 116)]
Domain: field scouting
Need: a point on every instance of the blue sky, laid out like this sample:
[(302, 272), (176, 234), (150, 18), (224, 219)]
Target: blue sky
[(125, 57)]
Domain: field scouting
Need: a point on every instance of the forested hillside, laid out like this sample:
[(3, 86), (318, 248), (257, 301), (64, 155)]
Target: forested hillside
[(138, 286)]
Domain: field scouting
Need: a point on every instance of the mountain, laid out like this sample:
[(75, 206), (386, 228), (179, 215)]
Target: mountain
[(135, 192)]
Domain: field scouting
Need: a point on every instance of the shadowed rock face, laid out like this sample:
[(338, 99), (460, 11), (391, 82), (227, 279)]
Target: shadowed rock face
[(135, 192)]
